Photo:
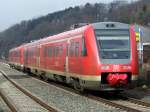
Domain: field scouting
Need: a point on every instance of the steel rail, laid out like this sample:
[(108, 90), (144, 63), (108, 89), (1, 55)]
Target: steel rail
[(9, 104), (136, 101), (28, 93)]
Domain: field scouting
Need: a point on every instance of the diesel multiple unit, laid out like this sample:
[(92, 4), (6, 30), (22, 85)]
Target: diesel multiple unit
[(98, 56)]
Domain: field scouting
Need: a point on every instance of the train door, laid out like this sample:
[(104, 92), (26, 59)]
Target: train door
[(75, 64), (43, 55), (22, 56), (61, 56), (26, 57), (66, 67), (38, 57)]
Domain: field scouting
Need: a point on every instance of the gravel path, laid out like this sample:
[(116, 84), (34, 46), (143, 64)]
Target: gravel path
[(56, 97)]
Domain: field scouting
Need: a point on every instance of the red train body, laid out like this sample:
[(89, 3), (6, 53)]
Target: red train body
[(99, 56)]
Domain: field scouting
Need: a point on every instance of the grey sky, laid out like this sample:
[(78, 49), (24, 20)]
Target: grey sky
[(14, 11)]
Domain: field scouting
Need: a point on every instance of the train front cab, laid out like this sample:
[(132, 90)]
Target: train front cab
[(118, 60)]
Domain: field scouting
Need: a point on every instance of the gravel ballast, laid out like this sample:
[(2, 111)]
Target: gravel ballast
[(63, 100), (19, 100)]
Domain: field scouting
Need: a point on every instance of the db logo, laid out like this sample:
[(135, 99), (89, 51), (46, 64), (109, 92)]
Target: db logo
[(116, 68)]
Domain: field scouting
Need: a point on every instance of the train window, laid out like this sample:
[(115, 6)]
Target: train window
[(60, 50), (49, 51), (14, 54), (84, 50), (67, 50), (31, 52), (113, 44), (71, 49), (74, 49), (77, 49), (45, 51), (57, 51), (52, 51), (70, 52), (17, 53), (38, 52)]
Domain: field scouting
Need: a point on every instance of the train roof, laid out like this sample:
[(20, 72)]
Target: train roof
[(16, 48), (110, 25), (99, 25), (58, 36)]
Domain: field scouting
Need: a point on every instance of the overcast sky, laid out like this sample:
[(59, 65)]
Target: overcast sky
[(14, 11)]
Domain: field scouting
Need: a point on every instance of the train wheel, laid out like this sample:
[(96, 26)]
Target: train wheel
[(77, 86), (29, 71), (45, 78)]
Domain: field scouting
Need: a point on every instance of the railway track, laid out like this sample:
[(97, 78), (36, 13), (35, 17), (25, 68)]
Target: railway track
[(124, 103), (139, 102), (127, 104), (7, 105), (134, 103), (26, 92)]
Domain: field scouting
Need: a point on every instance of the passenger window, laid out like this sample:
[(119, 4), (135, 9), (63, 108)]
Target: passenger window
[(77, 49), (60, 50), (71, 49), (74, 49), (45, 52), (57, 51), (38, 52), (84, 50), (50, 51)]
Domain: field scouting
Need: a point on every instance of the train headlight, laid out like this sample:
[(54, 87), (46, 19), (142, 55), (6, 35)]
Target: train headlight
[(127, 67), (105, 67)]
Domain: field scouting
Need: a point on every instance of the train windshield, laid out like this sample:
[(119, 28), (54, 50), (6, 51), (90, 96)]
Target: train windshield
[(113, 44)]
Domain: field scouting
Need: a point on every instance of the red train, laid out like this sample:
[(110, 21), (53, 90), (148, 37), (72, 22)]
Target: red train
[(98, 56)]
